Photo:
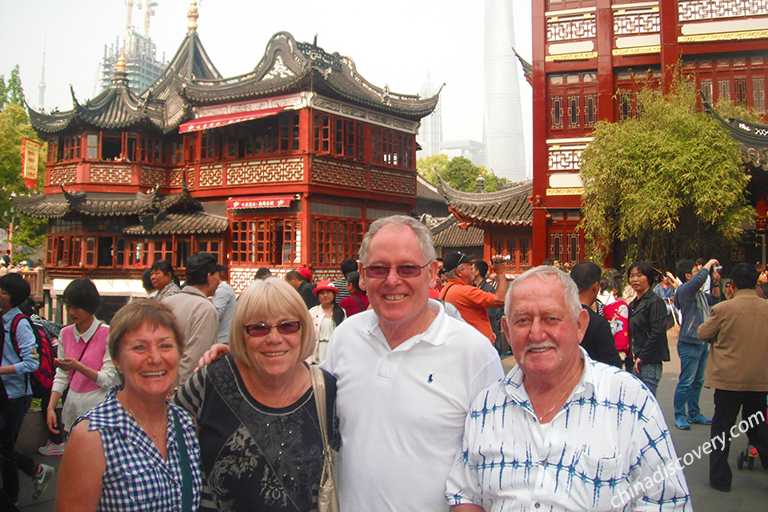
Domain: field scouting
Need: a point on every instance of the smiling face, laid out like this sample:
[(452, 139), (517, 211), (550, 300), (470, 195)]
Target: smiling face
[(400, 303), (541, 329), (159, 279), (149, 361), (275, 355)]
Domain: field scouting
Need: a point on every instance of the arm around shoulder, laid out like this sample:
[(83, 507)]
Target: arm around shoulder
[(81, 472)]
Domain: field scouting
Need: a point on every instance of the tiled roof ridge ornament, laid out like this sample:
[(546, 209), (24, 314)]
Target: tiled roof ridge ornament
[(75, 199), (192, 16)]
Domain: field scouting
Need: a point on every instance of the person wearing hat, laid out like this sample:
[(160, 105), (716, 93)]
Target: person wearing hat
[(301, 280), (325, 317), (473, 302), (195, 313)]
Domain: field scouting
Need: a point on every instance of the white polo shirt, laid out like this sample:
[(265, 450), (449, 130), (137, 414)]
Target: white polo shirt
[(402, 412)]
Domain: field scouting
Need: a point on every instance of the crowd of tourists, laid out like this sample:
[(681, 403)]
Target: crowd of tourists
[(197, 399)]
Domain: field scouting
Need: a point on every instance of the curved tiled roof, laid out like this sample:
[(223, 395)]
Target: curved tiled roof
[(187, 223), (752, 137), (160, 107), (55, 206), (447, 233), (509, 206), (288, 66)]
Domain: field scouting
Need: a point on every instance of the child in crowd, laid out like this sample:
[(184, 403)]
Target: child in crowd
[(83, 364)]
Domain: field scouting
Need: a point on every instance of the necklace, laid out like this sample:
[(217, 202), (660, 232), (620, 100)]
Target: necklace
[(567, 390), (142, 424)]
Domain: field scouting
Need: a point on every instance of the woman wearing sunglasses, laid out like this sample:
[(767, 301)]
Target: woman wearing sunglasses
[(260, 441)]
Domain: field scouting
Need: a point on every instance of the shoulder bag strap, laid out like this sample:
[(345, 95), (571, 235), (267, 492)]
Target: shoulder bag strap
[(186, 471), (358, 302), (318, 388)]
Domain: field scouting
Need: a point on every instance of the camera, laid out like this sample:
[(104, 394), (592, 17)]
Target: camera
[(717, 268)]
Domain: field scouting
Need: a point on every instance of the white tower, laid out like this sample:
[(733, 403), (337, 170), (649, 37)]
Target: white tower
[(431, 130), (502, 116), (41, 86)]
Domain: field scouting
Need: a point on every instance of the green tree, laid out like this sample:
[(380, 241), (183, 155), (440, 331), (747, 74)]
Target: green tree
[(665, 185), (28, 233), (459, 172), (12, 92)]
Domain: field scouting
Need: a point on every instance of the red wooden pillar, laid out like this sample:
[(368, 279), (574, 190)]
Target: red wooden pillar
[(669, 47), (540, 120)]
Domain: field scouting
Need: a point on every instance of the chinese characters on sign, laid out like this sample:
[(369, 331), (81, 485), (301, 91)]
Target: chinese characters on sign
[(30, 158), (249, 203)]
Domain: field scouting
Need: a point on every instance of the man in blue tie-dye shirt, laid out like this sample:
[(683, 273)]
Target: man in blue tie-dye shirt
[(561, 431)]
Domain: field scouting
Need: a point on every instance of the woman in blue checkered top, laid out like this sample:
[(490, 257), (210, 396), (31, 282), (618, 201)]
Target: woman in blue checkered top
[(134, 451)]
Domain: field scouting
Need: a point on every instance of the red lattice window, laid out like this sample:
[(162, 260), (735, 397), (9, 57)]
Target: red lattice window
[(740, 91), (265, 241), (162, 250), (574, 248), (210, 246), (758, 94), (556, 112), (64, 251), (590, 110), (335, 240), (556, 246), (574, 111)]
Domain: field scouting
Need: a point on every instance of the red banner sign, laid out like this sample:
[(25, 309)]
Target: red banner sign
[(250, 203), (30, 158)]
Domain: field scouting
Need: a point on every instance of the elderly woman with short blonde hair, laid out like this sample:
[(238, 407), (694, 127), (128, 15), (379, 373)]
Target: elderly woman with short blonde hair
[(260, 440)]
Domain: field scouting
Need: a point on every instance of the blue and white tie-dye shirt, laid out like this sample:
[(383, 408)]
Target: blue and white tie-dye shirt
[(608, 448)]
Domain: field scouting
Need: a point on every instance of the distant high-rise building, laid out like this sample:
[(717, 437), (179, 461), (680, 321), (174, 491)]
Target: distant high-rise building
[(502, 115), (431, 131), (139, 51)]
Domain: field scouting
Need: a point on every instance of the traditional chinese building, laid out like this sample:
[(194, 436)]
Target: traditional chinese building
[(585, 56), (283, 166), (503, 219)]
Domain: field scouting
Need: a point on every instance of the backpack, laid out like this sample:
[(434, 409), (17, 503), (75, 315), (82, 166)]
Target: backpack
[(42, 378)]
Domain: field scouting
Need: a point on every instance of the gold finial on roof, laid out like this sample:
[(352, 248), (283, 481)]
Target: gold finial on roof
[(121, 63), (192, 15)]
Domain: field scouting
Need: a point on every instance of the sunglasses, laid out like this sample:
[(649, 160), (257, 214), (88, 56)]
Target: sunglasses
[(404, 271), (262, 329)]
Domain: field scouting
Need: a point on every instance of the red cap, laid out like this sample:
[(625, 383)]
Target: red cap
[(305, 273), (325, 285)]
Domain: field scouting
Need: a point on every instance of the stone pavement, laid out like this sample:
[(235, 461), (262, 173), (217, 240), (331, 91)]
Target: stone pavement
[(749, 490)]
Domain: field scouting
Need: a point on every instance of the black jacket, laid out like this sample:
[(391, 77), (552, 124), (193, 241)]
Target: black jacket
[(648, 328), (306, 290)]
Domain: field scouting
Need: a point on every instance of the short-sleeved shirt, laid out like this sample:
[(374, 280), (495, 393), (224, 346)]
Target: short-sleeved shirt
[(401, 412), (608, 448), (472, 303), (136, 477)]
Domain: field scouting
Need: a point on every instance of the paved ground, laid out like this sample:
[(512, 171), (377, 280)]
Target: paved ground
[(749, 491)]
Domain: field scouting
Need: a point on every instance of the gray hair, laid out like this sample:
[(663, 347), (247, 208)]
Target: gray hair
[(450, 274), (423, 235), (544, 272)]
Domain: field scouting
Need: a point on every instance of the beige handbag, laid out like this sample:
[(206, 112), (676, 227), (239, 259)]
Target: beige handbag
[(327, 501)]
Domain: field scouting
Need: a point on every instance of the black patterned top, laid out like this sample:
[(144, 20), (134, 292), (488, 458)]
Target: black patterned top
[(255, 457)]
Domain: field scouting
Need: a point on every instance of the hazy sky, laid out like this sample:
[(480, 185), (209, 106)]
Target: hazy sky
[(397, 42)]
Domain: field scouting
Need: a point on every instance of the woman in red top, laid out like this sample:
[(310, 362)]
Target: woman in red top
[(358, 300)]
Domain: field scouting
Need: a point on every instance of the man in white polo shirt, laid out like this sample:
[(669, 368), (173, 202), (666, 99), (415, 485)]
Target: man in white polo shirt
[(406, 376)]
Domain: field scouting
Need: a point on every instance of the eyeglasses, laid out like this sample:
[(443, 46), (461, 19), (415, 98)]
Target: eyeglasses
[(262, 328), (404, 271)]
